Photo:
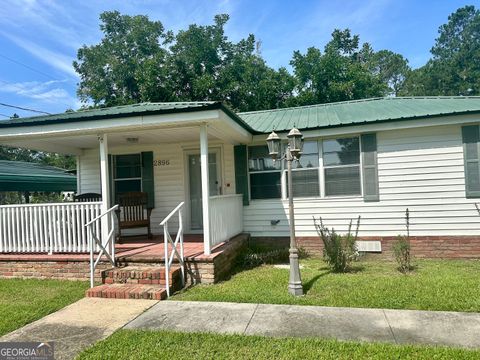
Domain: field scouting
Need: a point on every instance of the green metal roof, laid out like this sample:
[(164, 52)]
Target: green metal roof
[(304, 117), (26, 176), (359, 112), (124, 111)]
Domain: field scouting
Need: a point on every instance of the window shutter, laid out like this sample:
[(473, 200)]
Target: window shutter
[(241, 175), (111, 170), (147, 177), (471, 139), (370, 167)]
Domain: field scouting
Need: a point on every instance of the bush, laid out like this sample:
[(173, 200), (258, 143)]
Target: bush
[(338, 250), (401, 248)]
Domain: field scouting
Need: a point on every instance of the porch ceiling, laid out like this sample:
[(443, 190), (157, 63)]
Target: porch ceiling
[(156, 129)]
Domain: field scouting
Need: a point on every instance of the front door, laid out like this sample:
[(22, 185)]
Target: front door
[(195, 185)]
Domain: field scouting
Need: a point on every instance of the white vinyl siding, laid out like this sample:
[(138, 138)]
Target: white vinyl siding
[(170, 188), (421, 169)]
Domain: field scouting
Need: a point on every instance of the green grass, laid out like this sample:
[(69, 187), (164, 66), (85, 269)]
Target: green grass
[(24, 301), (136, 344), (435, 285)]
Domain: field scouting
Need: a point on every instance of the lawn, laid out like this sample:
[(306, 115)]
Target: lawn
[(24, 301), (137, 344), (452, 285)]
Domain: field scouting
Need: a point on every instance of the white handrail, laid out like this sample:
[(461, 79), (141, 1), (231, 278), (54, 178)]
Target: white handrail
[(172, 213), (178, 241), (103, 245)]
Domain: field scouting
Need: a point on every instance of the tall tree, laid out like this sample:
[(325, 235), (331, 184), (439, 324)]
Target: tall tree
[(454, 68), (344, 71)]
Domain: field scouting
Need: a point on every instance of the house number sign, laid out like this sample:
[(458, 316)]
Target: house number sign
[(161, 162)]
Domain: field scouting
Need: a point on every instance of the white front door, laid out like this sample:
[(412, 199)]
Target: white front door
[(195, 185)]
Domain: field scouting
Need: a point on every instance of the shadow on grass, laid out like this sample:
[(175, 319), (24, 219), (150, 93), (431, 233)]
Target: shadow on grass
[(309, 284)]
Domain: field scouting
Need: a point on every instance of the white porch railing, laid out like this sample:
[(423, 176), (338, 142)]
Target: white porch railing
[(34, 228), (106, 246), (167, 239), (226, 217)]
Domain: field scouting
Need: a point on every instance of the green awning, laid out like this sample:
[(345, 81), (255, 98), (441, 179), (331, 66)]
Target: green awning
[(26, 176)]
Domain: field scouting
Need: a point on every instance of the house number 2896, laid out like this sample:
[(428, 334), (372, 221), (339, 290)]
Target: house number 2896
[(161, 162)]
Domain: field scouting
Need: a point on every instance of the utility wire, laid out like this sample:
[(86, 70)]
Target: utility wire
[(5, 116), (26, 109), (28, 67)]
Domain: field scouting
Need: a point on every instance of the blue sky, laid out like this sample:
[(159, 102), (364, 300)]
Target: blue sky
[(39, 38)]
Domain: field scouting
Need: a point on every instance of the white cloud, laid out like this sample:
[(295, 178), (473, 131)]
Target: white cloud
[(46, 92), (55, 59)]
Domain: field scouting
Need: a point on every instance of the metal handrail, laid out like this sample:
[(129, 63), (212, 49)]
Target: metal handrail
[(178, 241), (95, 241)]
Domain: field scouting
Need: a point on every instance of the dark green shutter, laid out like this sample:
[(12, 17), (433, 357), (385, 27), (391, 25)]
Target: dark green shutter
[(111, 170), (370, 167), (471, 139), (241, 173), (147, 177)]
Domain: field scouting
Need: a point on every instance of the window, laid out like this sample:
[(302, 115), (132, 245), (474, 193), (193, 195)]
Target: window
[(127, 173), (305, 172), (264, 174), (341, 162)]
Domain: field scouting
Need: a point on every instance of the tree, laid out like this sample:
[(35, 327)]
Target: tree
[(137, 60), (454, 68), (344, 71)]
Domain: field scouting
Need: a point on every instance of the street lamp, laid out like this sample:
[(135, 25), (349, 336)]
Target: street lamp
[(293, 152)]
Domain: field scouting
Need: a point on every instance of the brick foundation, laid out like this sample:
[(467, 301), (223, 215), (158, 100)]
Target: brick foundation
[(63, 270), (461, 247)]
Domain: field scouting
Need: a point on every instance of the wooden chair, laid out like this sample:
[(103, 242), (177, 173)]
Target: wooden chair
[(133, 212), (87, 197)]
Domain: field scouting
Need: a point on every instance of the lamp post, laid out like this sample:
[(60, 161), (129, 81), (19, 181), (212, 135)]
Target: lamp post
[(293, 152)]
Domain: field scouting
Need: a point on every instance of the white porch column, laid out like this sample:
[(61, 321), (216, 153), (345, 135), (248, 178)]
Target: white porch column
[(205, 188), (105, 182)]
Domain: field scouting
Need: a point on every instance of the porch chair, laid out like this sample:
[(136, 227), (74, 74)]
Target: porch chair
[(87, 197), (133, 212)]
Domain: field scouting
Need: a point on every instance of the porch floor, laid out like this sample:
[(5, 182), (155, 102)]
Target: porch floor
[(131, 249)]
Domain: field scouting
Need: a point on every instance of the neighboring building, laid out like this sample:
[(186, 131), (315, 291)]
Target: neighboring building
[(27, 177), (372, 158)]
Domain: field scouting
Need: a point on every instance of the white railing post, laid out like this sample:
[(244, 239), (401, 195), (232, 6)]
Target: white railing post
[(167, 239), (205, 188)]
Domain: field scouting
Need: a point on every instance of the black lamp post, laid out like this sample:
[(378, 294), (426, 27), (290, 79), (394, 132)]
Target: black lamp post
[(293, 152)]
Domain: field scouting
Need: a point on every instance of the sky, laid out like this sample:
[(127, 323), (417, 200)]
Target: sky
[(39, 39)]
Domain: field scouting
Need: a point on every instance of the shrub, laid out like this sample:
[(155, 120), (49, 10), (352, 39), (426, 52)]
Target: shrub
[(338, 250), (255, 256), (401, 248)]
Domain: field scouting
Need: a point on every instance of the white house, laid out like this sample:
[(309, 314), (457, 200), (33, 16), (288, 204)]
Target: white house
[(372, 158)]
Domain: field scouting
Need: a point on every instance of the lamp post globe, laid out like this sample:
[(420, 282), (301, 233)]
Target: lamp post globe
[(295, 142), (273, 142)]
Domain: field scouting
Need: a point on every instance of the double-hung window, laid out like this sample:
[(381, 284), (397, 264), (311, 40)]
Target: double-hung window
[(265, 180), (341, 166), (305, 176), (127, 173)]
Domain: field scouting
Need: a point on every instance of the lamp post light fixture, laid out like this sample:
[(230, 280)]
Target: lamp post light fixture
[(293, 152)]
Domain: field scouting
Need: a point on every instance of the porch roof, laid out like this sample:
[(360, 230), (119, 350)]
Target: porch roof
[(126, 111), (26, 176)]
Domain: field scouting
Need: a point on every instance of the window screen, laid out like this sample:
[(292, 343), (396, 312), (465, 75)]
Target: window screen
[(341, 159)]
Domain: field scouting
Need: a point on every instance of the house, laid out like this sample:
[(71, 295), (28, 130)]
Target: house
[(27, 177), (372, 158)]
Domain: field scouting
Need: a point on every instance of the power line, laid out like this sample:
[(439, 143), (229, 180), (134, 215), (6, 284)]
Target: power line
[(26, 109), (5, 115), (28, 67)]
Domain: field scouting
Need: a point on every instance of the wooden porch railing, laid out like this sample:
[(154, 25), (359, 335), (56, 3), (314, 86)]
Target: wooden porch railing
[(226, 217), (37, 228)]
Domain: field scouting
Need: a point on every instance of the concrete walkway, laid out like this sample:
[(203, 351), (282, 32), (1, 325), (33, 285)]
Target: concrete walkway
[(393, 326), (81, 324)]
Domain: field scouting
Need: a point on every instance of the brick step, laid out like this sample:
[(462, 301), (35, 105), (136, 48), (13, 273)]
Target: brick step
[(128, 291), (145, 275)]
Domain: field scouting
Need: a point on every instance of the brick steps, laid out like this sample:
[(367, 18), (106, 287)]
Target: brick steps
[(136, 282), (128, 291)]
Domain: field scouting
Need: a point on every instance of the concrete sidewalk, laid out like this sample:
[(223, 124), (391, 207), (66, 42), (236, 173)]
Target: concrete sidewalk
[(81, 324), (393, 326)]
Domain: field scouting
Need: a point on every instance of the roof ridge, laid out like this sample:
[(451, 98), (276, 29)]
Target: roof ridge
[(359, 101)]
